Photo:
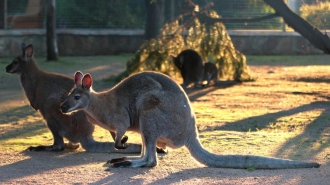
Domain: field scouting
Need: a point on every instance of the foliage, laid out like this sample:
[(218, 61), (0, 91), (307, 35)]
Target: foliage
[(317, 14), (100, 13), (132, 14), (16, 7), (210, 40), (247, 9)]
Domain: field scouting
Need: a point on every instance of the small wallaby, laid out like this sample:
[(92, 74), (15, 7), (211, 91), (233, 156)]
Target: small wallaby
[(153, 105), (210, 73), (45, 92), (194, 70)]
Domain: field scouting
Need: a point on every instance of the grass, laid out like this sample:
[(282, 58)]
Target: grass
[(278, 115)]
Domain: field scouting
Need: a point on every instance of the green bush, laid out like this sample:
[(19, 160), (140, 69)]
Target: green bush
[(100, 13), (210, 40), (317, 14)]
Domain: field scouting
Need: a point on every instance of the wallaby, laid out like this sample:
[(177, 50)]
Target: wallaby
[(153, 105), (210, 73), (45, 92), (193, 69)]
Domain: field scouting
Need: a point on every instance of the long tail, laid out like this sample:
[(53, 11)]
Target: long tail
[(241, 161), (91, 145)]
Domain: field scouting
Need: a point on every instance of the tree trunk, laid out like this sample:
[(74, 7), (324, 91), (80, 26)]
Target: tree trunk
[(52, 51), (3, 12), (315, 37), (155, 18)]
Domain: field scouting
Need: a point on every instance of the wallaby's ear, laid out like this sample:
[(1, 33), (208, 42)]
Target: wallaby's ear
[(77, 78), (28, 52), (87, 81)]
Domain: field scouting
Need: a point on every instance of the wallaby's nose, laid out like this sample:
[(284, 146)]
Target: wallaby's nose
[(7, 69), (64, 108)]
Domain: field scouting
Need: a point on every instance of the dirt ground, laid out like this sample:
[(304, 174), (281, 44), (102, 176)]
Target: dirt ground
[(284, 113)]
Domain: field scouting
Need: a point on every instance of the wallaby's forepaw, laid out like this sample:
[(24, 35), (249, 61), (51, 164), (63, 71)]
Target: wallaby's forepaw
[(123, 144), (116, 160), (124, 140)]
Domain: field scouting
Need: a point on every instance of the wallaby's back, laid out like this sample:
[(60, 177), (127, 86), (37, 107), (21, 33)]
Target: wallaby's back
[(190, 64)]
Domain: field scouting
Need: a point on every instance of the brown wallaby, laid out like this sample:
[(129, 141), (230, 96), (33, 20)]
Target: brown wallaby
[(153, 105), (45, 92), (193, 69)]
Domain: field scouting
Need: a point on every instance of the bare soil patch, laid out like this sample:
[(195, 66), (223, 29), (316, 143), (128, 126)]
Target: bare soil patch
[(284, 113)]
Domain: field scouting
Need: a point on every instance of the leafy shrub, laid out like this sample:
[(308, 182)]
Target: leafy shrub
[(210, 40), (317, 14), (101, 13)]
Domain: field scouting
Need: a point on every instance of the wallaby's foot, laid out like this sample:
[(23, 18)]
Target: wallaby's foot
[(122, 164), (116, 160), (134, 164), (45, 148), (71, 146)]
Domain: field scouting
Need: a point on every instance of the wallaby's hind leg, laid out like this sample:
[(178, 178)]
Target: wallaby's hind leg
[(148, 155), (148, 159), (58, 144)]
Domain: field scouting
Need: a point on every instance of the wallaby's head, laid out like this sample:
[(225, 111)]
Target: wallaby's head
[(78, 98), (18, 64), (178, 61)]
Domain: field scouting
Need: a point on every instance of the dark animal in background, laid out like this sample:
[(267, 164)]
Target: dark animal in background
[(193, 70), (45, 92), (210, 73), (153, 105), (191, 66)]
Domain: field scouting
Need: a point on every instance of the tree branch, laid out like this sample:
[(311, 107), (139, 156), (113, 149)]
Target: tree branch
[(315, 37)]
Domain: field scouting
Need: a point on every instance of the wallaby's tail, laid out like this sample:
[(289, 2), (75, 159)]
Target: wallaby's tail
[(241, 161), (91, 145)]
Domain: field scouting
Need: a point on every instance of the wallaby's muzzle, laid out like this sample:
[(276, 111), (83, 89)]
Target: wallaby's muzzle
[(64, 108), (9, 68)]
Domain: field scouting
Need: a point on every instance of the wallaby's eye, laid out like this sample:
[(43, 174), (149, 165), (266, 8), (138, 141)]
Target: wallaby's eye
[(77, 97), (15, 62)]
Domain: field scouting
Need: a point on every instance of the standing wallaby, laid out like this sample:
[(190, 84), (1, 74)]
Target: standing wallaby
[(153, 105), (193, 69), (45, 92)]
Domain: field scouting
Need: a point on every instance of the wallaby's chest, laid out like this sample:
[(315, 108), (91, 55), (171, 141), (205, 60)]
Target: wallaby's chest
[(101, 122)]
